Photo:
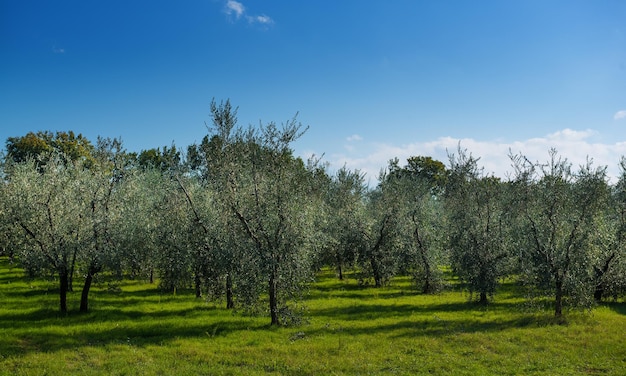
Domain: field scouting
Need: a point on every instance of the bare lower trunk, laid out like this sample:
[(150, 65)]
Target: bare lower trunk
[(598, 293), (230, 303), (197, 281), (427, 289), (378, 279), (558, 300), (483, 298), (84, 297), (63, 288), (273, 295), (600, 272), (70, 286), (339, 269)]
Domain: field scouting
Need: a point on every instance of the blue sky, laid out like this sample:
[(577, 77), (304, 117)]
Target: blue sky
[(373, 79)]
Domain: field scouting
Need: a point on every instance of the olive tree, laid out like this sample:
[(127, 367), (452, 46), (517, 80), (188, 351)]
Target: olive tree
[(46, 203), (476, 225), (419, 186), (101, 210), (381, 256), (346, 221), (268, 192), (609, 255), (559, 210), (144, 193)]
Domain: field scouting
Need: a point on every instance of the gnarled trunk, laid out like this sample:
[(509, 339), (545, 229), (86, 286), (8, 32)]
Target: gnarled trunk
[(84, 296)]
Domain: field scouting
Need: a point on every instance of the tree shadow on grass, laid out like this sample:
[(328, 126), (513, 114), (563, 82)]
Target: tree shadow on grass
[(360, 312), (618, 307), (46, 317), (437, 327), (117, 327)]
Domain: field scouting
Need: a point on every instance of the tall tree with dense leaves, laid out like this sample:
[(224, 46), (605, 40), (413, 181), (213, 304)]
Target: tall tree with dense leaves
[(559, 211), (164, 160), (44, 145)]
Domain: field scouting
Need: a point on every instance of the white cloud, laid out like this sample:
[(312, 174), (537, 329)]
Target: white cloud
[(574, 145), (262, 19), (234, 7), (238, 10), (620, 115), (354, 137)]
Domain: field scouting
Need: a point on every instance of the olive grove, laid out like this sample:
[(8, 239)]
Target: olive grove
[(240, 219)]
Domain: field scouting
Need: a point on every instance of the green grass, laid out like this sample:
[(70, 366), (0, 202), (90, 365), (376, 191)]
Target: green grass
[(352, 330)]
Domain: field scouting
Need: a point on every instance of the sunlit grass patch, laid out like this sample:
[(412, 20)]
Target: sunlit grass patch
[(352, 329)]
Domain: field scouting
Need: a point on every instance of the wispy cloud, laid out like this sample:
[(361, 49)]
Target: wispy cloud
[(620, 115), (354, 137), (574, 145), (261, 19), (238, 10), (234, 7), (57, 50)]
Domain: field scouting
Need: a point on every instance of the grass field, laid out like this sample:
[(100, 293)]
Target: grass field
[(352, 330)]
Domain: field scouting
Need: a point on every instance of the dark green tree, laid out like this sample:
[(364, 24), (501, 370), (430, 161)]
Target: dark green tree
[(42, 146)]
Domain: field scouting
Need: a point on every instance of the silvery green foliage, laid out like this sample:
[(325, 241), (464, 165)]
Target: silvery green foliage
[(144, 193), (609, 252), (175, 239), (476, 225), (101, 183), (268, 193), (272, 201), (346, 220), (560, 218), (10, 239), (422, 221), (380, 258), (47, 204), (67, 212)]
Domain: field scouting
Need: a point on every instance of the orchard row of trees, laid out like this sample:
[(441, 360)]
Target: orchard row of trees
[(242, 220)]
